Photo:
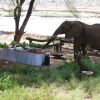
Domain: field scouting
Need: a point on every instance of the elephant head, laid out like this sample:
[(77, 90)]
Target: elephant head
[(69, 28)]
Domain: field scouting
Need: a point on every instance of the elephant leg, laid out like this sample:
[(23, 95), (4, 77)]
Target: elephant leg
[(83, 46), (77, 45), (76, 51), (77, 54)]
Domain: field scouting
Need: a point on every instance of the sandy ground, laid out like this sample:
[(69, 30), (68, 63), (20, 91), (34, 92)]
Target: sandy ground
[(7, 37), (41, 25), (40, 28), (67, 54)]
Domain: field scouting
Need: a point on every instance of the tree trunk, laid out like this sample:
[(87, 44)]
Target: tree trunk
[(18, 36), (17, 13)]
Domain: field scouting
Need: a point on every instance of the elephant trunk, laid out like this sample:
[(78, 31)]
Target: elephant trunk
[(50, 40), (58, 31)]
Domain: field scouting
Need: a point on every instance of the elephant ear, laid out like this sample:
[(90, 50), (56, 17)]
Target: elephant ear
[(75, 29)]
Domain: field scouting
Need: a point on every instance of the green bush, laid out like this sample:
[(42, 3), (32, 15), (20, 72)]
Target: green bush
[(24, 82), (36, 45)]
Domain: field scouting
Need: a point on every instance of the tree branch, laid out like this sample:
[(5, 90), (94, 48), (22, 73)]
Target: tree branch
[(27, 16), (17, 14)]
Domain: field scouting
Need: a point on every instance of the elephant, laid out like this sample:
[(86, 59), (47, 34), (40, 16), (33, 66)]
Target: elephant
[(82, 33)]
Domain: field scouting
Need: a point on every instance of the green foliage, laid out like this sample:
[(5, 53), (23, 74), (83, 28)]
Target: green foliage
[(36, 45), (5, 81), (13, 43), (45, 83), (24, 44), (1, 45)]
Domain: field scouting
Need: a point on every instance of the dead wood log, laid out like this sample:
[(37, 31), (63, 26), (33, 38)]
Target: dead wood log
[(59, 44), (34, 39), (61, 39)]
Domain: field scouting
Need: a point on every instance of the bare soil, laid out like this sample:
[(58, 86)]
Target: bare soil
[(54, 62)]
